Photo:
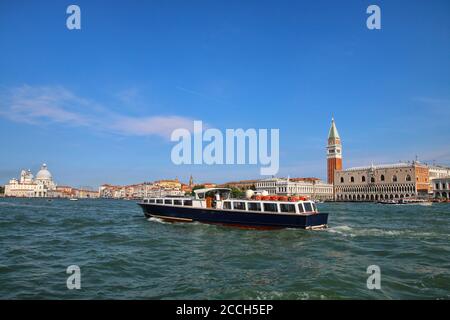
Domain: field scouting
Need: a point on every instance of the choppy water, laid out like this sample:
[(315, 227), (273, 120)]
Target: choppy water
[(123, 255)]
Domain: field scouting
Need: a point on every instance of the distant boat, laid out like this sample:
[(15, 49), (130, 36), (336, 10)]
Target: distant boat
[(73, 199), (417, 202)]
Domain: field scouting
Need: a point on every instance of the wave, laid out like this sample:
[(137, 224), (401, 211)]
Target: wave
[(348, 231), (27, 205)]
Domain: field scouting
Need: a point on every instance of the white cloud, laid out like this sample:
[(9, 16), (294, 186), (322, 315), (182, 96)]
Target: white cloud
[(55, 104), (157, 125)]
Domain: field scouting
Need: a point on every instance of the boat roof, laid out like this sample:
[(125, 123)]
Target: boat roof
[(204, 190)]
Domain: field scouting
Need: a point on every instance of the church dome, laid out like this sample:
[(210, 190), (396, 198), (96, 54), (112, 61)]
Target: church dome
[(44, 174)]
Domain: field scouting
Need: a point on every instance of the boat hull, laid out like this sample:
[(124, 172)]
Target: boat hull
[(244, 219)]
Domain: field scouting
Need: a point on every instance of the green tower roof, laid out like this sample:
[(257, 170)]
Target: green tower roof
[(333, 134)]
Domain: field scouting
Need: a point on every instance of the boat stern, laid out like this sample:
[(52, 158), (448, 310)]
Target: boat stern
[(317, 221)]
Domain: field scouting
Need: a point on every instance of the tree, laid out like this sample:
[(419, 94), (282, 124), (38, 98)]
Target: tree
[(237, 193)]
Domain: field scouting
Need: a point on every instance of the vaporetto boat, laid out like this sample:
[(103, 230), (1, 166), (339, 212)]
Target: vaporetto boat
[(214, 206)]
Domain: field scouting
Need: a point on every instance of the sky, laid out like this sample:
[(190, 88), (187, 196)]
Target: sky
[(98, 104)]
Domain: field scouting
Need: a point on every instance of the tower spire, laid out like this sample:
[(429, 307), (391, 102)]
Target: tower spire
[(333, 133), (334, 152)]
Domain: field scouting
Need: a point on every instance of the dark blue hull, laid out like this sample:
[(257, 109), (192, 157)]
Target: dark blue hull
[(235, 218)]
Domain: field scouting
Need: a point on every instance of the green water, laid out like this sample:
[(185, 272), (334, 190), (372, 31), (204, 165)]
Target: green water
[(122, 255)]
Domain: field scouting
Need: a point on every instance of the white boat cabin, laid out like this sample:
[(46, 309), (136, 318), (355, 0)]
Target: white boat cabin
[(219, 198)]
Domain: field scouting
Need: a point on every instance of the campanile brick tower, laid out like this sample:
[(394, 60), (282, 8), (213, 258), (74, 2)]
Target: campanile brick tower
[(334, 152)]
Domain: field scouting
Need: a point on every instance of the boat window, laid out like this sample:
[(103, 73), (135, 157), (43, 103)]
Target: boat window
[(287, 207), (159, 201), (239, 205), (151, 201), (227, 205), (308, 206), (188, 202), (254, 206), (167, 201), (300, 208), (177, 202), (270, 207), (314, 207)]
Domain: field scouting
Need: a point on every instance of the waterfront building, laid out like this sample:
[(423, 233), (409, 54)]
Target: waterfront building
[(142, 190), (242, 185), (391, 181), (85, 194), (64, 192), (29, 186), (269, 185), (312, 188), (334, 152), (134, 191), (168, 184), (438, 171), (441, 188)]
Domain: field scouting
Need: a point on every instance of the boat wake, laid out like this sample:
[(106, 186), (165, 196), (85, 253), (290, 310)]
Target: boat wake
[(348, 231), (153, 219)]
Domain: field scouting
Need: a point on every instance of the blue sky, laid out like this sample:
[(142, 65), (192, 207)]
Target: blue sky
[(98, 104)]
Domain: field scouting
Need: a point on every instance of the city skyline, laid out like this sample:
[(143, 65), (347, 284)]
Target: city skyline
[(98, 104)]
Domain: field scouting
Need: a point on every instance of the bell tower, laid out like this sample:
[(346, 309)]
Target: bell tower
[(334, 152)]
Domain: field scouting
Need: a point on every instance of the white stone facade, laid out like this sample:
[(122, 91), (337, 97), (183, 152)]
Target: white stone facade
[(437, 172), (30, 187), (286, 187), (441, 188), (372, 183)]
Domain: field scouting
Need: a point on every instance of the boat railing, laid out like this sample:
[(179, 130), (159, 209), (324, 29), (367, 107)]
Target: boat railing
[(251, 205), (300, 207)]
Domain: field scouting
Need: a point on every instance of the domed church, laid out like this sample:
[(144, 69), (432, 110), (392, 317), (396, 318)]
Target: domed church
[(29, 186)]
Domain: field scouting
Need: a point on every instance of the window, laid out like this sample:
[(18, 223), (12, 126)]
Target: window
[(151, 201), (372, 179), (187, 203), (270, 207), (254, 206), (287, 207), (308, 206), (314, 206), (177, 202), (394, 178), (239, 205), (437, 186), (382, 177), (408, 178), (363, 179), (167, 201), (352, 179), (227, 205), (342, 180), (159, 201)]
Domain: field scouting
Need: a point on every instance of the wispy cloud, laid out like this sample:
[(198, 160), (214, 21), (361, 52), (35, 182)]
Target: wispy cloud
[(435, 105), (157, 125), (56, 104)]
